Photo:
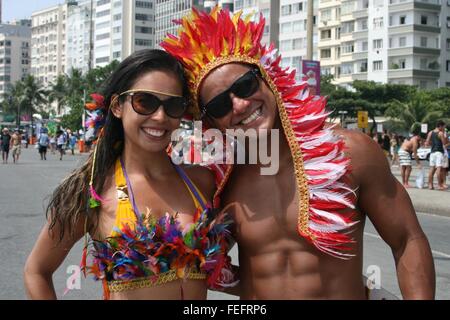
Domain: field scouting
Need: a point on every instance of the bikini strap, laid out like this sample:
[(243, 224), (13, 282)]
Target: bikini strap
[(197, 196)]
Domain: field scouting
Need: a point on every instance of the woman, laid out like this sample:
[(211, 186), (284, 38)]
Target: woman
[(155, 234)]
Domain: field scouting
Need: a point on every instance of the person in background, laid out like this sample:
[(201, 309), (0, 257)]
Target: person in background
[(438, 142), (395, 146), (408, 150), (16, 144), (72, 142), (5, 144)]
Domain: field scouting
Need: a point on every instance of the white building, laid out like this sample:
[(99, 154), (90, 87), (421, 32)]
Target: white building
[(387, 41), (80, 35), (293, 34), (121, 28), (169, 10), (48, 43), (271, 13), (14, 54)]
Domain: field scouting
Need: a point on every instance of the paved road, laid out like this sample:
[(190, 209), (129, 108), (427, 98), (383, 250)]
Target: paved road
[(24, 186)]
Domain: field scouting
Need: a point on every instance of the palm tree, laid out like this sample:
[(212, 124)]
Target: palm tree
[(34, 97), (417, 110), (58, 92), (14, 99)]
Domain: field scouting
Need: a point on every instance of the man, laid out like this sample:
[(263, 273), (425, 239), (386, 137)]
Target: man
[(297, 230), (436, 139), (409, 147), (43, 143), (5, 144), (16, 142)]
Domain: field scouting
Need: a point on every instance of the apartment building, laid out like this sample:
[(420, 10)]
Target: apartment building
[(121, 28), (15, 52), (387, 41), (80, 35), (48, 43)]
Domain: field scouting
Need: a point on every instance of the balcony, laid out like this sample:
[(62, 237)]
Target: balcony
[(405, 51), (397, 5), (359, 76), (359, 55), (412, 73), (410, 28)]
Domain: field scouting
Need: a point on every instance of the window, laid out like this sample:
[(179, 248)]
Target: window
[(325, 15), (402, 63), (286, 27), (298, 25), (378, 23), (338, 33), (325, 53), (286, 10), (402, 19), (325, 34), (347, 27), (402, 42), (423, 41), (377, 65), (448, 44), (347, 68), (447, 66), (423, 19), (363, 67), (378, 44), (423, 63), (348, 47), (143, 42), (365, 46), (286, 45), (298, 44), (363, 24), (297, 7)]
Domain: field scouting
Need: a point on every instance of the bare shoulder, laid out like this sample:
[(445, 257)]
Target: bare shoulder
[(365, 154), (203, 179)]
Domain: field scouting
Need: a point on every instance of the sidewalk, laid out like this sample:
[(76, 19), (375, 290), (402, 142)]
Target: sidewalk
[(425, 200)]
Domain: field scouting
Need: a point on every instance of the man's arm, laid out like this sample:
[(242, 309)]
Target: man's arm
[(388, 206), (428, 141), (443, 139), (415, 147)]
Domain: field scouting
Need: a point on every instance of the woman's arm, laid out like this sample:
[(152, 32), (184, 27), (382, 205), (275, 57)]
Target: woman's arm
[(45, 258)]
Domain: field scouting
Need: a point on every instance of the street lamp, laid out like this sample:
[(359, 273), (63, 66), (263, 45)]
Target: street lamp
[(342, 114)]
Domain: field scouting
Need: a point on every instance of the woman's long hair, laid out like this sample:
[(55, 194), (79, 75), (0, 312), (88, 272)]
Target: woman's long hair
[(69, 203)]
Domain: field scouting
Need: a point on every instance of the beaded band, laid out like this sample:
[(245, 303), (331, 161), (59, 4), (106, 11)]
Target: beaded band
[(152, 281)]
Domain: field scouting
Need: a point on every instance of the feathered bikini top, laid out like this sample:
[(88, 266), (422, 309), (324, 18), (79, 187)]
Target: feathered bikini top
[(144, 251)]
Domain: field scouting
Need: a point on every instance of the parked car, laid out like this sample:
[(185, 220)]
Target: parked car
[(424, 153)]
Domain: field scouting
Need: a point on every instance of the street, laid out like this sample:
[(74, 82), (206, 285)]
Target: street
[(24, 188)]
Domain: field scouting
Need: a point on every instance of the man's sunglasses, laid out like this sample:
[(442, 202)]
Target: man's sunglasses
[(144, 102), (244, 87)]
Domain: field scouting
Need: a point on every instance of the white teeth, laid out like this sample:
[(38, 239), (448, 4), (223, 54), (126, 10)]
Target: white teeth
[(255, 115), (155, 133)]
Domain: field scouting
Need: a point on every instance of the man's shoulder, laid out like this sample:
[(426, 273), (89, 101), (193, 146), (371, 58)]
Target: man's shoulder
[(362, 151)]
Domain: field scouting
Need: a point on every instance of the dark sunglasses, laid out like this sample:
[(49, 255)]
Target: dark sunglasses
[(145, 103), (244, 87)]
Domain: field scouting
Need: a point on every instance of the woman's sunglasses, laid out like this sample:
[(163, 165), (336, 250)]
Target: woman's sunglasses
[(144, 102), (244, 87)]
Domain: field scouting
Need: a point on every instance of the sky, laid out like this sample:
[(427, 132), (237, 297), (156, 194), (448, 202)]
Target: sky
[(21, 9)]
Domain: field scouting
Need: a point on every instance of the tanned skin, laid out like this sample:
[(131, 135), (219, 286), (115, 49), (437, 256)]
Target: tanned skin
[(275, 262)]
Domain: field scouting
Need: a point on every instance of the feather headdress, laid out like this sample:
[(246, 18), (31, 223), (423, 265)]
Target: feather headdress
[(206, 41)]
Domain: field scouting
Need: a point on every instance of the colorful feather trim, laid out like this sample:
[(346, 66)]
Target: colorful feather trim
[(155, 246)]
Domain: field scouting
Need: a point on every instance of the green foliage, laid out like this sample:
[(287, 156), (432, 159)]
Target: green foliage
[(67, 93), (403, 105)]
